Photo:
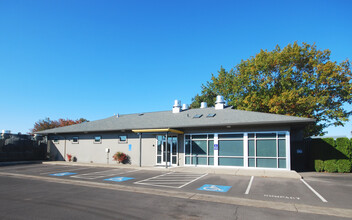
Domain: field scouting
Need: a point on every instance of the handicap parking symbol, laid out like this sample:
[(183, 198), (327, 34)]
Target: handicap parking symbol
[(215, 188), (119, 179), (62, 174)]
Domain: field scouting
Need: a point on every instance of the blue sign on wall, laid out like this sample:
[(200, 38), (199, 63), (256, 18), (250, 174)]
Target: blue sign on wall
[(62, 174), (215, 188), (119, 179), (216, 147), (129, 147)]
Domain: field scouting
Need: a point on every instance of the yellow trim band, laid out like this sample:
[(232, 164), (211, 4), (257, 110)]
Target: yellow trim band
[(158, 130)]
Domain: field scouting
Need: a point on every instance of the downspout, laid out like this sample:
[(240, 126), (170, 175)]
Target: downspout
[(65, 150), (140, 149)]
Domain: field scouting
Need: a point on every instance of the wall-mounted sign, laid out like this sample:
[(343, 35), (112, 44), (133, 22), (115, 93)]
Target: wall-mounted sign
[(216, 147), (129, 147)]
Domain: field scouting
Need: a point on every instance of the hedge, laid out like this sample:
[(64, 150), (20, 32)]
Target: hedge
[(331, 156), (343, 145), (344, 166), (330, 166), (319, 165)]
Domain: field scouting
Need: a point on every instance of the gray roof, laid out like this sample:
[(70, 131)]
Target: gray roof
[(184, 119)]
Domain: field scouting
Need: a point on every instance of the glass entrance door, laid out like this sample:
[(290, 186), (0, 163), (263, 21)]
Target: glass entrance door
[(166, 150)]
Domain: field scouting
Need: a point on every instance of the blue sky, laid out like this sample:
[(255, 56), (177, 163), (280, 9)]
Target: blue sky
[(91, 59)]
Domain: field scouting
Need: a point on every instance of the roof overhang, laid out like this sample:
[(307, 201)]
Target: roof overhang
[(156, 130)]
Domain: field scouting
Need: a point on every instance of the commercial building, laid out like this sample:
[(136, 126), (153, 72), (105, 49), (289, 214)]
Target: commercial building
[(217, 136)]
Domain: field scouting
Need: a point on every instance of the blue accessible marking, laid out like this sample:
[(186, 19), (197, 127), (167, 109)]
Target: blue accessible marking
[(215, 188), (119, 179), (62, 174)]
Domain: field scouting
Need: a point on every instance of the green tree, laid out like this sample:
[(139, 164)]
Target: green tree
[(47, 123), (298, 80)]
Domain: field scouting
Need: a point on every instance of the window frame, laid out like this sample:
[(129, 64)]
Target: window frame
[(75, 142), (95, 140), (125, 141)]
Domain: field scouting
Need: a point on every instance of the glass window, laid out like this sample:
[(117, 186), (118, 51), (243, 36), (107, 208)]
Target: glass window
[(282, 148), (188, 160), (266, 148), (210, 136), (251, 135), (199, 136), (251, 148), (264, 162), (123, 139), (158, 159), (211, 148), (230, 161), (210, 160), (266, 135), (188, 136), (199, 147), (97, 139), (56, 140), (282, 135), (188, 147), (75, 140), (231, 148), (230, 136), (200, 160), (282, 163), (251, 162)]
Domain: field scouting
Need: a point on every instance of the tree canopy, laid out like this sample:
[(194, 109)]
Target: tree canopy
[(298, 80), (47, 123)]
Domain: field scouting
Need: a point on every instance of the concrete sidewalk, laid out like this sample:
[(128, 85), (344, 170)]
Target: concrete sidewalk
[(216, 170)]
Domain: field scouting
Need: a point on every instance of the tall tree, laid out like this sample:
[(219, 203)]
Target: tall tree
[(298, 80), (46, 123)]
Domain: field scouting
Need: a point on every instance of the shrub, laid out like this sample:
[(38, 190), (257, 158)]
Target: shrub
[(343, 166), (330, 166), (119, 157), (319, 165), (343, 145)]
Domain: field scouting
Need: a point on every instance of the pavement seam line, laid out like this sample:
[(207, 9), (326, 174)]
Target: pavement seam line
[(301, 208)]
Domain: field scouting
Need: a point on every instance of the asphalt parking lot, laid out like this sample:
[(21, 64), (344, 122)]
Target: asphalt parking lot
[(317, 190)]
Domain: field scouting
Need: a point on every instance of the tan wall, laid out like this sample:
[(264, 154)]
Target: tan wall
[(87, 151)]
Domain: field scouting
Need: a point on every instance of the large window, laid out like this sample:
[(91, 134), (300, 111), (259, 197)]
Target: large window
[(230, 150), (267, 150), (199, 149), (264, 149), (75, 140)]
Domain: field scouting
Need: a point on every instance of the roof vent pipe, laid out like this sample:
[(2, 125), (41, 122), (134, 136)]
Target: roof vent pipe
[(184, 107), (177, 107), (220, 102), (203, 105)]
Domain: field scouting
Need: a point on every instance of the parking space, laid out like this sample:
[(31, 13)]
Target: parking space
[(250, 187)]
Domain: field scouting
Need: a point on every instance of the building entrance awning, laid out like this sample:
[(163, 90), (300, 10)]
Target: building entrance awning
[(156, 130)]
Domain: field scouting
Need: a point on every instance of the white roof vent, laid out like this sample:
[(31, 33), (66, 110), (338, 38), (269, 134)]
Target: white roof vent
[(203, 105), (220, 102), (177, 106), (6, 132), (184, 107)]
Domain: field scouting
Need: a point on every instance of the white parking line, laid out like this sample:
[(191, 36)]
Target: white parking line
[(101, 174), (315, 192), (171, 178), (193, 180), (63, 169), (249, 185)]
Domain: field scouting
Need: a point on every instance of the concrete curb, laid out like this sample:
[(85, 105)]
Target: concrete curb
[(20, 162), (300, 208)]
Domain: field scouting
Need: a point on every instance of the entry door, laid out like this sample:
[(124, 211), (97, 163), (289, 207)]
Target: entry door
[(167, 150)]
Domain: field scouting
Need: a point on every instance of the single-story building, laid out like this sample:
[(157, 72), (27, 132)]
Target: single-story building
[(217, 136)]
